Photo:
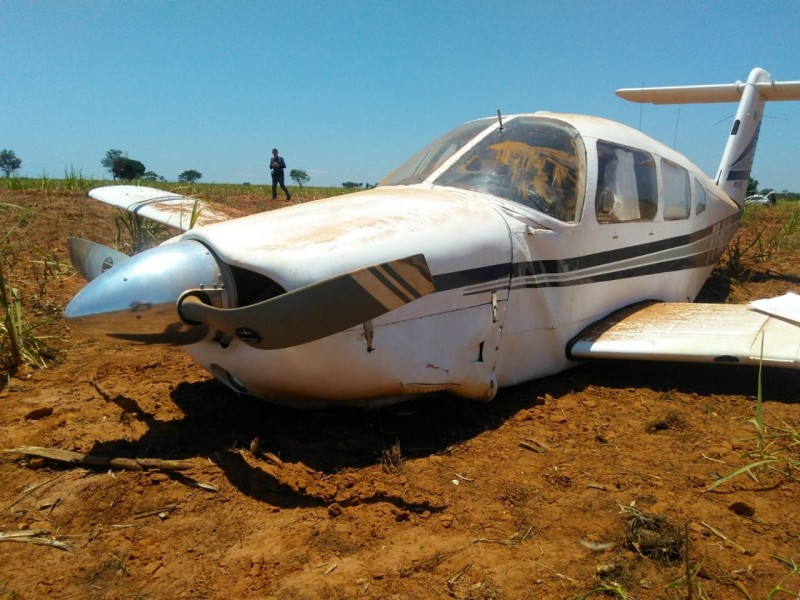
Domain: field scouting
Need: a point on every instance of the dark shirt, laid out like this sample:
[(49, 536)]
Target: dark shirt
[(281, 165)]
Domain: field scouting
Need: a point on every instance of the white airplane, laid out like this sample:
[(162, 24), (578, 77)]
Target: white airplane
[(511, 248)]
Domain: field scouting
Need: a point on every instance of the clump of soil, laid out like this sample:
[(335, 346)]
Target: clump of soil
[(652, 536)]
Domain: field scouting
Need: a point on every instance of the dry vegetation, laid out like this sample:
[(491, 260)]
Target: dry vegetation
[(613, 480)]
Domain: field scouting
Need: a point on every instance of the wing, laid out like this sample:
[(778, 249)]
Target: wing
[(180, 212), (712, 333)]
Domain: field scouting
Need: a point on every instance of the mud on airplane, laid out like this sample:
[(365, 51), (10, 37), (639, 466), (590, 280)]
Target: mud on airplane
[(510, 248)]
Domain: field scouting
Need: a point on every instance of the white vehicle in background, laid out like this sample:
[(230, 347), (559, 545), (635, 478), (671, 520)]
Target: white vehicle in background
[(768, 198)]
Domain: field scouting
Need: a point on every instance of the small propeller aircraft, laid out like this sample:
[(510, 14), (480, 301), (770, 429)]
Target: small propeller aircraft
[(511, 248)]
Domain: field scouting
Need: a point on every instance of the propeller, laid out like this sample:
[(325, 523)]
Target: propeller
[(136, 300), (91, 259), (317, 310)]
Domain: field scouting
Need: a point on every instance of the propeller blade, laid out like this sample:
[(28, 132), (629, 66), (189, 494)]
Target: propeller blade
[(91, 259), (136, 301), (317, 310)]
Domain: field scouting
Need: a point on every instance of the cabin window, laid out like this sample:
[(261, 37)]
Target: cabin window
[(626, 184), (534, 161), (677, 201), (699, 198), (420, 166)]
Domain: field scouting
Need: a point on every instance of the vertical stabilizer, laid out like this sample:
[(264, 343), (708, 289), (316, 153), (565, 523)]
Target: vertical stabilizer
[(737, 159), (733, 173)]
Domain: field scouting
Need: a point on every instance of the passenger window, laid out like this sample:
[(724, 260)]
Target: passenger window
[(676, 191), (699, 198), (626, 184)]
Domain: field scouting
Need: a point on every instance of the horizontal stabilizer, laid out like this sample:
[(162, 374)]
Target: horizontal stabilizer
[(704, 333), (697, 94), (174, 210)]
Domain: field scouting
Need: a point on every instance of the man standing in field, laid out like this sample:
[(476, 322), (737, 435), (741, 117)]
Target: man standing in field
[(277, 166)]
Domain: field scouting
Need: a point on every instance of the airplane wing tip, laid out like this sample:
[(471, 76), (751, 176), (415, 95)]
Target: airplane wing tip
[(169, 208)]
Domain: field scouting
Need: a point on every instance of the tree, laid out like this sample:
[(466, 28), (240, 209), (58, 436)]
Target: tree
[(151, 176), (127, 168), (299, 176), (752, 186), (111, 157), (190, 176), (9, 162), (351, 185)]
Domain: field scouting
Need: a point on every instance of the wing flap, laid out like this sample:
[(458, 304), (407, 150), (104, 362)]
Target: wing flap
[(168, 208), (683, 332)]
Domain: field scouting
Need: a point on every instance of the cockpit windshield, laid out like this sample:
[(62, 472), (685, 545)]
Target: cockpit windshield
[(534, 161), (420, 166)]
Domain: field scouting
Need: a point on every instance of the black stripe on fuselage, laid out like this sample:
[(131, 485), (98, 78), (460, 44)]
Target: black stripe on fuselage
[(667, 266), (470, 277), (484, 275)]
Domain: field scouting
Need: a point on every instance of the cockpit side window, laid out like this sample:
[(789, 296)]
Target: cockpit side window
[(420, 166), (699, 197), (626, 184), (534, 161), (675, 181)]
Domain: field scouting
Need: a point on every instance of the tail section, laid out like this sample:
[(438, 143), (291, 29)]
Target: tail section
[(737, 159)]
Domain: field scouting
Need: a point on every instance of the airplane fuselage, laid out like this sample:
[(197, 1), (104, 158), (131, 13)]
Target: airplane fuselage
[(515, 281)]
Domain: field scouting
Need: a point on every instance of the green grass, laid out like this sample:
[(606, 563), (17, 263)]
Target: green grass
[(794, 575), (216, 192), (135, 233), (19, 343), (744, 254), (18, 338), (777, 448)]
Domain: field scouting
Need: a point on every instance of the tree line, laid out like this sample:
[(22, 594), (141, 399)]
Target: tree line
[(124, 168), (115, 161), (121, 167)]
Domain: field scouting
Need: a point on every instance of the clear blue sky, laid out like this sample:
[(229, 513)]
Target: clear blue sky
[(348, 89)]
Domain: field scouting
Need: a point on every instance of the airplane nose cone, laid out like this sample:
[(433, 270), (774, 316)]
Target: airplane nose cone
[(136, 301)]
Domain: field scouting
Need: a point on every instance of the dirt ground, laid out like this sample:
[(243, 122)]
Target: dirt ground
[(592, 483)]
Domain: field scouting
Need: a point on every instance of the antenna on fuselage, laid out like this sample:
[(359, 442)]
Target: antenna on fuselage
[(500, 119)]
